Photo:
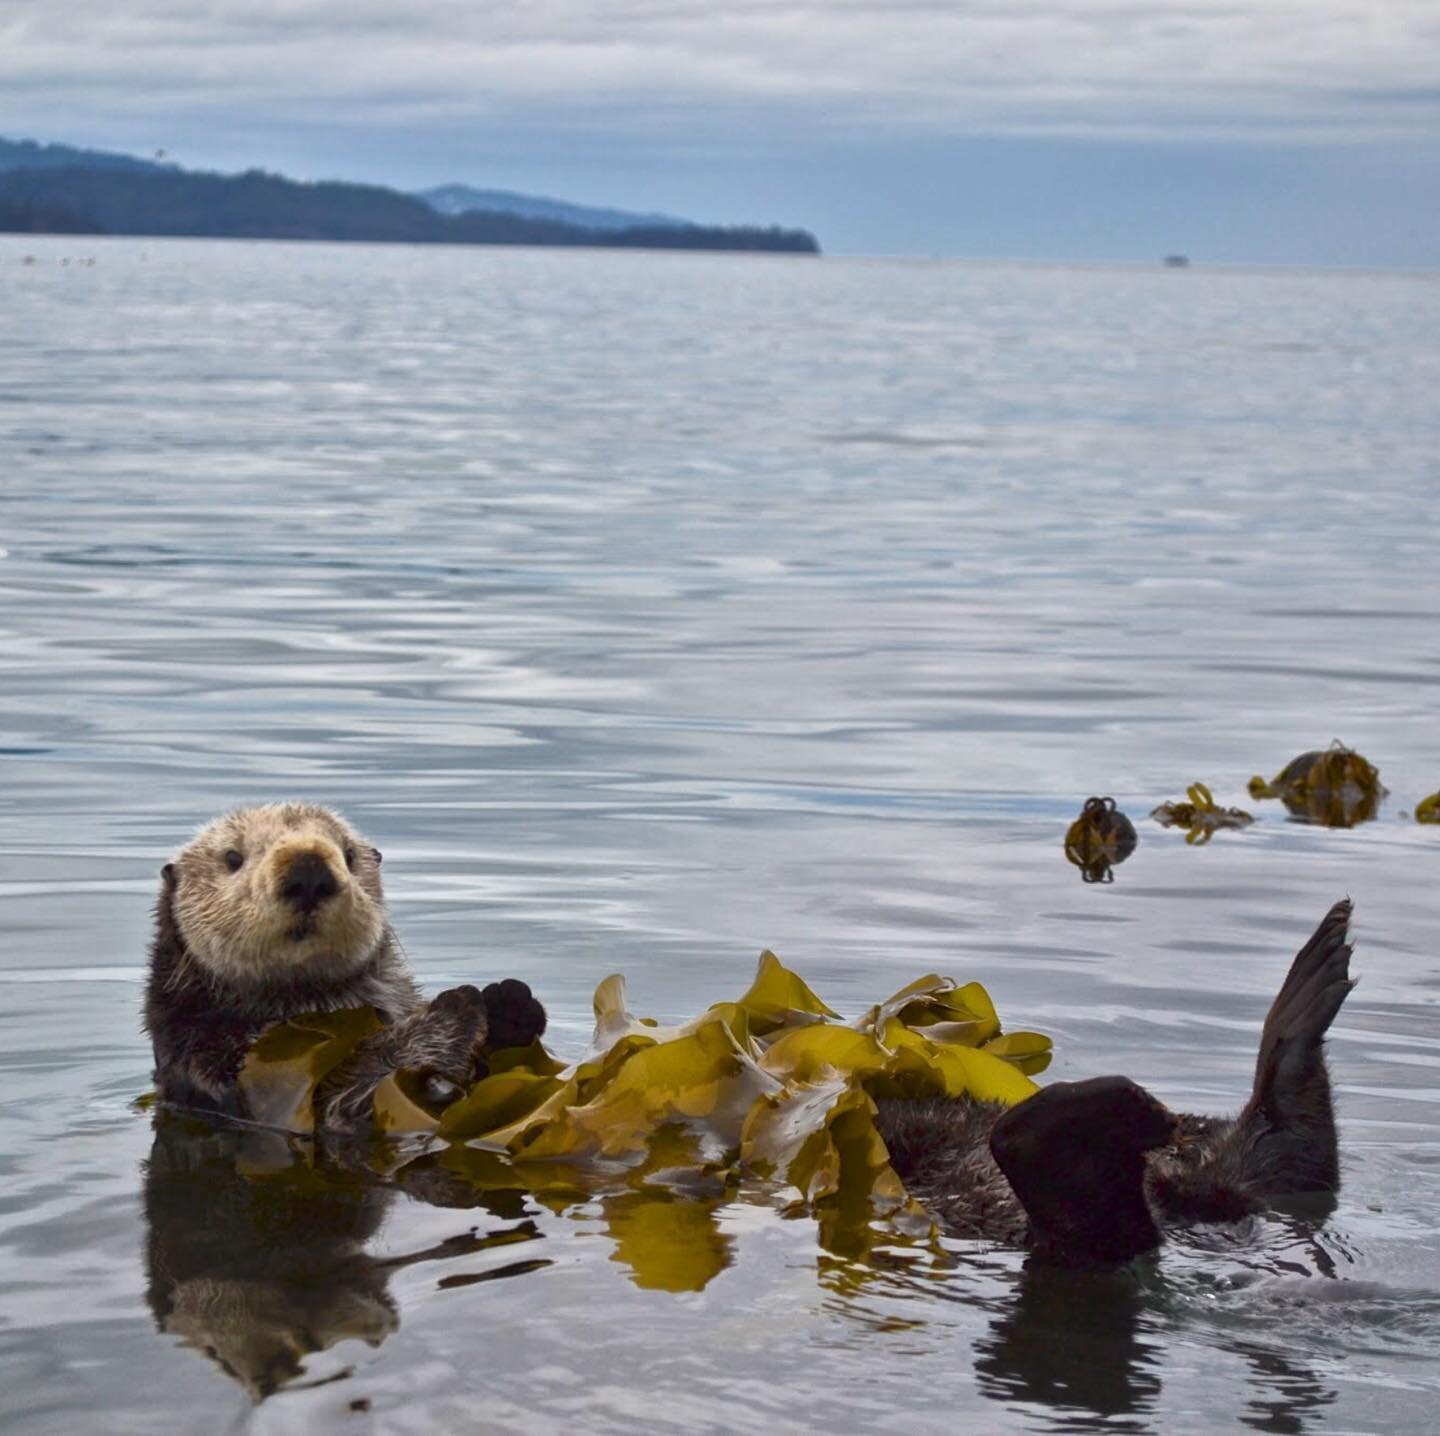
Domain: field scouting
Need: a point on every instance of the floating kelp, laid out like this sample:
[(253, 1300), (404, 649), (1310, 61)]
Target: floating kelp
[(1427, 810), (1098, 839), (1334, 787), (1201, 816), (769, 1086), (287, 1063)]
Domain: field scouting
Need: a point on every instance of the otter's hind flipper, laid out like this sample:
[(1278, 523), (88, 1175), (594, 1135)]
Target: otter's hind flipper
[(1317, 984), (1284, 1141)]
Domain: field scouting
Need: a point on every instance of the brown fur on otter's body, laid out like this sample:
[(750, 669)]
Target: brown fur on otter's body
[(1090, 1172), (275, 911)]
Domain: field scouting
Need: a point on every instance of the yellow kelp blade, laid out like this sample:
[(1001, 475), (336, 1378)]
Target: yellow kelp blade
[(963, 1015), (802, 1053), (875, 1019), (1029, 1051), (519, 1081), (1427, 810), (288, 1062), (582, 1084), (846, 1158), (534, 1058), (614, 1021), (780, 998), (967, 1013), (780, 1124), (924, 1068), (703, 1078), (820, 1138), (868, 1189), (666, 1112), (496, 1101), (983, 1076)]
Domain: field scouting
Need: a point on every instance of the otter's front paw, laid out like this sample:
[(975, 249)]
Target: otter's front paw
[(459, 1002), (453, 1028), (515, 1018)]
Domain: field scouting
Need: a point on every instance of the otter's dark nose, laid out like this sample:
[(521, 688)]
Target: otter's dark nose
[(308, 882)]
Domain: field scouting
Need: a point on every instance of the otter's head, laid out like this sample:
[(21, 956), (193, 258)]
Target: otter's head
[(269, 895), (1074, 1154)]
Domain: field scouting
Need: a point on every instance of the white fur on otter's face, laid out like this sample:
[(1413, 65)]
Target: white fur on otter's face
[(252, 896)]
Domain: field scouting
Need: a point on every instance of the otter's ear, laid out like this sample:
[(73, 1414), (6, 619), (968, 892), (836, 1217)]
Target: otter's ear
[(167, 929), (377, 855)]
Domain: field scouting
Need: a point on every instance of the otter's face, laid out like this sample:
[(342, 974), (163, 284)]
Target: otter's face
[(280, 893)]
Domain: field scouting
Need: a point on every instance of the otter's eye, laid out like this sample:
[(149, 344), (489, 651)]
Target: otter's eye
[(350, 859), (234, 860)]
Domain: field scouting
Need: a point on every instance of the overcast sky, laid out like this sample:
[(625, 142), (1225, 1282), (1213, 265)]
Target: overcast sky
[(1305, 130)]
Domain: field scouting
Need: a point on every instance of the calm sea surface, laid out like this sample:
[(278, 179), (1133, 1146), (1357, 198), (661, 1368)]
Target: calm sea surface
[(650, 610)]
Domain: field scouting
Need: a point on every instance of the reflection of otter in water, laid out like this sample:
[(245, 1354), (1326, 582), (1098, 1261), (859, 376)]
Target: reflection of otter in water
[(1087, 1172), (272, 912), (257, 1255), (259, 1273), (1071, 1340)]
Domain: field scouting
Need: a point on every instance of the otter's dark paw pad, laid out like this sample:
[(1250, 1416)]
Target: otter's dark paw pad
[(516, 1018)]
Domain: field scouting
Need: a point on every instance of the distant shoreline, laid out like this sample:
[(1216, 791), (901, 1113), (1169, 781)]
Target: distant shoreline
[(172, 203)]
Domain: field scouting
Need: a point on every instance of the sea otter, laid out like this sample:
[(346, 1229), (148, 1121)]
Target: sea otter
[(1088, 1173), (274, 911)]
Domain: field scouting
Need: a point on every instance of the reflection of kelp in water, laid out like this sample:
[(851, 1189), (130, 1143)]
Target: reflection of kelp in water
[(1200, 815), (1334, 787), (1099, 839), (660, 1211), (670, 1242)]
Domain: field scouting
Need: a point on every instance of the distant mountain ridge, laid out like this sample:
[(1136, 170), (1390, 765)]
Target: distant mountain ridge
[(29, 154), (464, 198), (60, 189)]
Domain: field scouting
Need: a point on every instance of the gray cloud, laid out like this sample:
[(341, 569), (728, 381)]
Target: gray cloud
[(1307, 68)]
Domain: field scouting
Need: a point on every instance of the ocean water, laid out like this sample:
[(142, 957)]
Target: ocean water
[(651, 610)]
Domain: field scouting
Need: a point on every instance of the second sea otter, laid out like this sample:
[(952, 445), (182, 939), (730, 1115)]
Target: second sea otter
[(1091, 1172)]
